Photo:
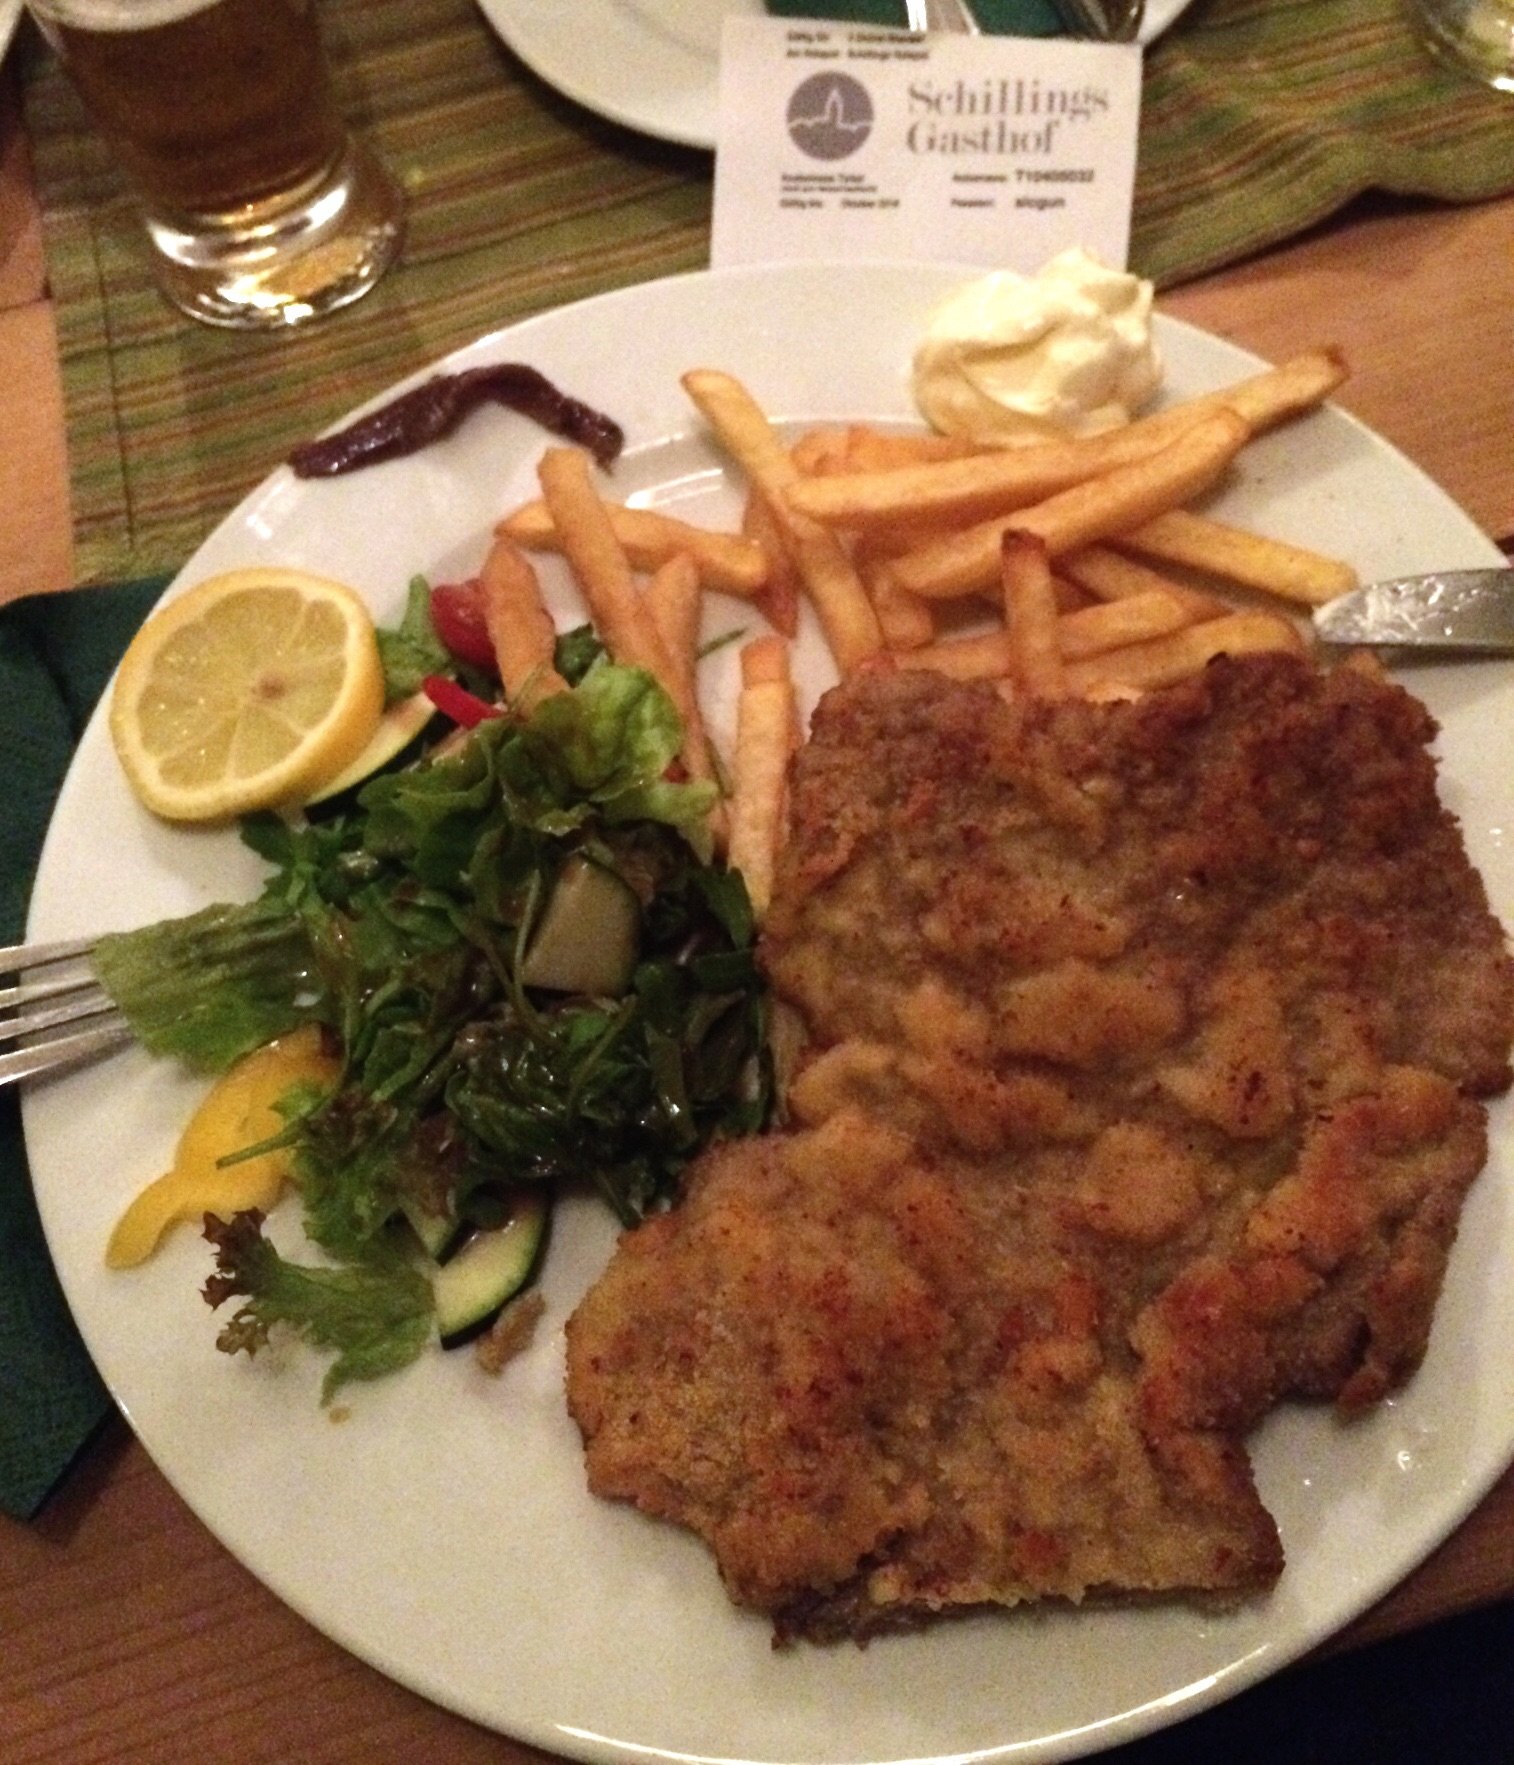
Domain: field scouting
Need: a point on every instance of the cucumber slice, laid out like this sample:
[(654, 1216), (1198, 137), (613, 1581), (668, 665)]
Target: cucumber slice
[(440, 1233), (473, 1286), (588, 936)]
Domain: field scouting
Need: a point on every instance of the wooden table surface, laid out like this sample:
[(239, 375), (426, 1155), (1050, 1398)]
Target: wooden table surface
[(128, 1633)]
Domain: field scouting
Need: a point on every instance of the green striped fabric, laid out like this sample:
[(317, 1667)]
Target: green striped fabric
[(1260, 117)]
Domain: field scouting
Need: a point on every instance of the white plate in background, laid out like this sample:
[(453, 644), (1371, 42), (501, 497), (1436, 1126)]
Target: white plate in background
[(10, 17), (653, 65), (442, 1531)]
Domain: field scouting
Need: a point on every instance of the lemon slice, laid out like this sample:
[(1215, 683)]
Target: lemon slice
[(248, 692)]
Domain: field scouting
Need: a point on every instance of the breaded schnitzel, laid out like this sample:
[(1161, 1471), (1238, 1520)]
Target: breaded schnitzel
[(1145, 1044)]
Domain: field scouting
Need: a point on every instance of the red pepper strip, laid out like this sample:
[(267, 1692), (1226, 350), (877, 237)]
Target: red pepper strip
[(465, 709)]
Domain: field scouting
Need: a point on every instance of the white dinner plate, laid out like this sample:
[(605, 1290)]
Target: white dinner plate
[(441, 1529), (10, 17), (653, 65)]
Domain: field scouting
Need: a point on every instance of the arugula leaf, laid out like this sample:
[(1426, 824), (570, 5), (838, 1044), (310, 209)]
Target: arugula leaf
[(621, 1097), (375, 1316), (576, 652), (401, 920), (412, 650)]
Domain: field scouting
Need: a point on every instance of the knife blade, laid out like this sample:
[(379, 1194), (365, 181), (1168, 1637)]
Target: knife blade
[(1446, 610)]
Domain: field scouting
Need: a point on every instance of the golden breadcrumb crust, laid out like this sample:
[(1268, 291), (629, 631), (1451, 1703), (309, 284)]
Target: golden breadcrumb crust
[(1144, 1050)]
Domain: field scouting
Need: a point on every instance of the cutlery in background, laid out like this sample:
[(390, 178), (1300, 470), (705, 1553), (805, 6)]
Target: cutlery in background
[(1105, 21)]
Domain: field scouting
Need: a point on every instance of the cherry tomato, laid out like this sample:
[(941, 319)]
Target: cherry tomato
[(457, 613)]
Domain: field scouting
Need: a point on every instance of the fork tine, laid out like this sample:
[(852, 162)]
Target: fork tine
[(57, 981), (88, 1001), (30, 1038), (18, 958), (43, 970), (58, 1051)]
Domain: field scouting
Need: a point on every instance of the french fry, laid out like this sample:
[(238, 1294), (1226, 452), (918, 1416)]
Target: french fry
[(603, 571), (1111, 625), (672, 595), (1113, 503), (875, 450), (778, 598), (764, 662), (986, 655), (821, 450), (1111, 576), (974, 487), (1287, 390), (1110, 692), (1030, 611), (674, 598), (872, 545), (1262, 401), (906, 621), (920, 485), (520, 627), (862, 447), (1366, 662), (1291, 572), (1091, 631), (649, 537), (765, 721), (1070, 597), (845, 612), (1163, 660)]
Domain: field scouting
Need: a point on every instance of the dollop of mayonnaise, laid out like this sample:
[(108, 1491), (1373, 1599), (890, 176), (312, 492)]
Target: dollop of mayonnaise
[(1067, 351)]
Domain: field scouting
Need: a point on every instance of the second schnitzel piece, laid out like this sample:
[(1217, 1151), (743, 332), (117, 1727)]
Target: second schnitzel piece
[(1144, 1050)]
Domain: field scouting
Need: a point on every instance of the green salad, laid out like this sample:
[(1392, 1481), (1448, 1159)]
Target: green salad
[(535, 975)]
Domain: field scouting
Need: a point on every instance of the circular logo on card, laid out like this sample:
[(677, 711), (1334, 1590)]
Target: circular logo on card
[(829, 116)]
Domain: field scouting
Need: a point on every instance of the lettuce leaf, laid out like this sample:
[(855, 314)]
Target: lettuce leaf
[(411, 650), (213, 986), (400, 919), (608, 745), (375, 1316)]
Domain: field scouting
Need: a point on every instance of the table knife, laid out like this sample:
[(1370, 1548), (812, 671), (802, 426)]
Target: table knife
[(1445, 610)]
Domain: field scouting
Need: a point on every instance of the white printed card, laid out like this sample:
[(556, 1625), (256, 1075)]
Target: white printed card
[(846, 141)]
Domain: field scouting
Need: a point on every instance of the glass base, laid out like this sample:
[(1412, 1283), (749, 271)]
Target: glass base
[(284, 262), (1475, 37)]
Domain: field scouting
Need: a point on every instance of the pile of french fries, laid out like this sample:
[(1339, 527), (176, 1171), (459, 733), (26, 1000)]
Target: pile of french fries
[(1058, 555)]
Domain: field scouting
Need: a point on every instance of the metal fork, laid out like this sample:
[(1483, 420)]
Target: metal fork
[(53, 1012)]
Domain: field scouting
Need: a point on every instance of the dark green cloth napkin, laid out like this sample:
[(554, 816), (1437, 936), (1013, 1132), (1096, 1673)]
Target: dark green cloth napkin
[(999, 18), (56, 654)]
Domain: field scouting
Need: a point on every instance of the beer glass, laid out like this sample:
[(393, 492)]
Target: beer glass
[(1476, 36), (262, 208)]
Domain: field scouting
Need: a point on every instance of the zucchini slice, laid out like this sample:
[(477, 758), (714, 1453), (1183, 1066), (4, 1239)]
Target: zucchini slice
[(441, 1234), (472, 1287), (399, 726)]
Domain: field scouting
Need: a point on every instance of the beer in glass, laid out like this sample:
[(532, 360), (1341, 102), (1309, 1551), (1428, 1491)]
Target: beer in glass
[(262, 208), (1476, 36)]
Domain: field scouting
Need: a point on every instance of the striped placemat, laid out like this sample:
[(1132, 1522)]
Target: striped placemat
[(1260, 117)]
